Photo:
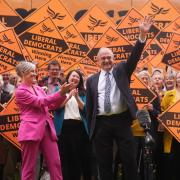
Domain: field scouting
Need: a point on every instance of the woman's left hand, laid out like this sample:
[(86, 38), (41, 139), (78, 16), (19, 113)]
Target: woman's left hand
[(76, 93)]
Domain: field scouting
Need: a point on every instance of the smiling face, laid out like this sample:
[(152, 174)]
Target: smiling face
[(30, 77), (54, 71), (169, 82), (74, 78), (106, 59), (178, 80), (157, 80)]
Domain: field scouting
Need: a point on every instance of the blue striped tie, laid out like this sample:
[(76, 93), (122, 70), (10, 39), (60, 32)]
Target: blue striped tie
[(107, 103)]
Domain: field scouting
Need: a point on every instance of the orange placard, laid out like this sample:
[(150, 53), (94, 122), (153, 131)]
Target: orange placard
[(10, 52), (171, 120), (141, 93), (9, 122), (113, 40), (151, 52), (8, 16), (2, 27), (172, 54), (75, 66), (129, 27), (53, 9), (88, 66), (93, 24), (162, 12), (42, 71), (165, 35), (78, 48), (43, 42)]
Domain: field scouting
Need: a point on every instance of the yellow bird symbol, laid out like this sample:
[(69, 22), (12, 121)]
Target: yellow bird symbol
[(55, 15), (5, 39), (95, 23), (110, 39), (69, 35), (157, 10), (45, 29), (133, 20)]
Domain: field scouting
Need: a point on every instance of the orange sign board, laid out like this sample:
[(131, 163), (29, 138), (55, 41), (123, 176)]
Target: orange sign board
[(165, 35), (161, 11), (141, 93), (78, 48), (152, 51), (88, 66), (93, 24), (129, 27), (8, 16), (42, 71), (43, 41), (171, 120), (10, 52), (2, 27), (9, 122), (172, 54), (113, 40), (53, 9)]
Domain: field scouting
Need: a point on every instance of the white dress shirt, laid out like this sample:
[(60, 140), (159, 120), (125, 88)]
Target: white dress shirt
[(117, 103), (72, 109)]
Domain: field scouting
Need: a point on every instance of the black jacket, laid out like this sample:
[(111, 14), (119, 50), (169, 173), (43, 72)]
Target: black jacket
[(122, 73)]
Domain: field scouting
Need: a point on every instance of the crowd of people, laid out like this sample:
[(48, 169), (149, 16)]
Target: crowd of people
[(93, 121)]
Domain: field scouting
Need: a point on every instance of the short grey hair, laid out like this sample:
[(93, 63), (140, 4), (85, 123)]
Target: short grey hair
[(24, 67), (104, 49), (143, 73)]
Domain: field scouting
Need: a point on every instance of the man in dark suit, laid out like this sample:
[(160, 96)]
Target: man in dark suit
[(111, 109)]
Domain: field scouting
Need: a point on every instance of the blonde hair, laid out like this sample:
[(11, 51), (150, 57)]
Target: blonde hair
[(24, 67)]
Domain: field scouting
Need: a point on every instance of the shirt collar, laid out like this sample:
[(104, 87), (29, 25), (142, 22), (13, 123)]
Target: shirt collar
[(103, 72)]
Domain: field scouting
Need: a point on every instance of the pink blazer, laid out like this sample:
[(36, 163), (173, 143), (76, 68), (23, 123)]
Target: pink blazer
[(34, 112)]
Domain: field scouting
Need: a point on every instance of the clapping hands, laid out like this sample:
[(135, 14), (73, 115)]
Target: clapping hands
[(66, 88), (74, 93)]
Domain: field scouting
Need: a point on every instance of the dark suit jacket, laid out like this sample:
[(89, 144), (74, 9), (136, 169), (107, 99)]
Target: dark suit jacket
[(122, 73)]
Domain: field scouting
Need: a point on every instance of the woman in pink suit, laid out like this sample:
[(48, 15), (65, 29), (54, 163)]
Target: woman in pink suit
[(36, 132)]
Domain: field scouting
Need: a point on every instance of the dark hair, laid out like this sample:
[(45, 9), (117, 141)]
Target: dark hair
[(54, 63), (80, 86)]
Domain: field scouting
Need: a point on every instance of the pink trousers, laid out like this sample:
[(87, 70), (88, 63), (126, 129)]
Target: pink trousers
[(49, 149)]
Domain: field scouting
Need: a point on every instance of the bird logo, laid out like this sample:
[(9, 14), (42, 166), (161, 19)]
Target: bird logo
[(110, 39), (176, 26), (176, 44), (157, 10), (5, 39), (132, 20), (45, 29), (69, 35), (95, 23), (55, 15)]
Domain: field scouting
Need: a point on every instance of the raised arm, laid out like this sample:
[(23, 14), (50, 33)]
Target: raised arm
[(132, 61), (25, 97)]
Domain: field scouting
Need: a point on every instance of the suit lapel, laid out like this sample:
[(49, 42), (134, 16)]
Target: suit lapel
[(95, 85), (117, 79)]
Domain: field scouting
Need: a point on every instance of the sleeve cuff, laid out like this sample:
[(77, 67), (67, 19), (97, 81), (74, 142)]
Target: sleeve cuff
[(142, 41)]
